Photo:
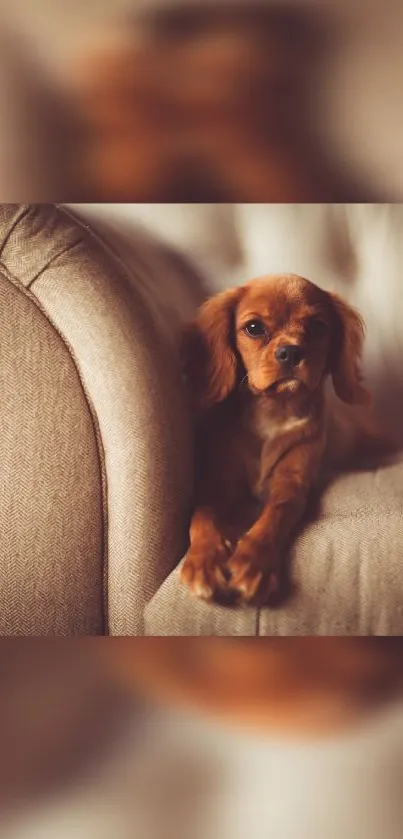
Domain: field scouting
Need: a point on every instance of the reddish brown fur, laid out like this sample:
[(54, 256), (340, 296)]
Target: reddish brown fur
[(264, 432)]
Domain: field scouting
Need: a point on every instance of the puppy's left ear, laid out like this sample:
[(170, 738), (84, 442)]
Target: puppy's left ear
[(346, 351)]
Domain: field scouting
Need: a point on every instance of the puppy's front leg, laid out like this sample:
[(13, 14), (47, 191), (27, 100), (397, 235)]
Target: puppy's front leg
[(256, 563), (204, 568)]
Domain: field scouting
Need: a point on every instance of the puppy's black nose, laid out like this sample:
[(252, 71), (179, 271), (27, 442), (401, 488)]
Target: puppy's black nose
[(289, 355)]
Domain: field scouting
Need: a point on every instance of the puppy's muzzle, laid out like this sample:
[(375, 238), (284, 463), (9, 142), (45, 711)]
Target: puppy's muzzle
[(288, 355)]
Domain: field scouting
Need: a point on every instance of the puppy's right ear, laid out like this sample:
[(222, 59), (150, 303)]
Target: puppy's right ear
[(207, 351)]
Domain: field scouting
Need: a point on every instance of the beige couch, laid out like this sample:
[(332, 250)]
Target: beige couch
[(95, 444), (97, 458)]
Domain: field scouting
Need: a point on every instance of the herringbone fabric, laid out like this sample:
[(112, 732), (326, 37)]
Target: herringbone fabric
[(50, 491), (96, 442)]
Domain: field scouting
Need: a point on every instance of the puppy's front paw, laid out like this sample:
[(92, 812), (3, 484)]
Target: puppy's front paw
[(204, 571), (254, 573)]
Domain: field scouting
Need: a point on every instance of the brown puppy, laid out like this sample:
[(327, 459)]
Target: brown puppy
[(257, 359)]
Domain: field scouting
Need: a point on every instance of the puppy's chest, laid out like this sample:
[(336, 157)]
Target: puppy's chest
[(269, 437)]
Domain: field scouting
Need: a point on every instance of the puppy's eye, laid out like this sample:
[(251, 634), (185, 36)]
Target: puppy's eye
[(255, 329)]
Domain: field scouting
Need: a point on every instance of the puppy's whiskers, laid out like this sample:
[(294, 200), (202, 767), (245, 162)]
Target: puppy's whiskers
[(242, 382)]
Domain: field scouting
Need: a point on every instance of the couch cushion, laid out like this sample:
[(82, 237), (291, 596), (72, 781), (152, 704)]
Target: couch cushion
[(50, 492), (347, 566), (128, 369)]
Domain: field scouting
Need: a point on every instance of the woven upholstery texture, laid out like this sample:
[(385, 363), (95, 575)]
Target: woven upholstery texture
[(97, 447)]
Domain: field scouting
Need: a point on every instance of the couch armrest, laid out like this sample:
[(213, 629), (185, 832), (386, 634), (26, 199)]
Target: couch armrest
[(132, 394)]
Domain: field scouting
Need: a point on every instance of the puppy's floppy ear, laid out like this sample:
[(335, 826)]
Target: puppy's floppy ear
[(208, 356), (345, 353)]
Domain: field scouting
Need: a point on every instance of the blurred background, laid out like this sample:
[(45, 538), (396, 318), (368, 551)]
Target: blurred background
[(90, 750), (226, 101)]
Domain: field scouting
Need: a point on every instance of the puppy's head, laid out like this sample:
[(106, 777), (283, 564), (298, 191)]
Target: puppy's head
[(276, 335)]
